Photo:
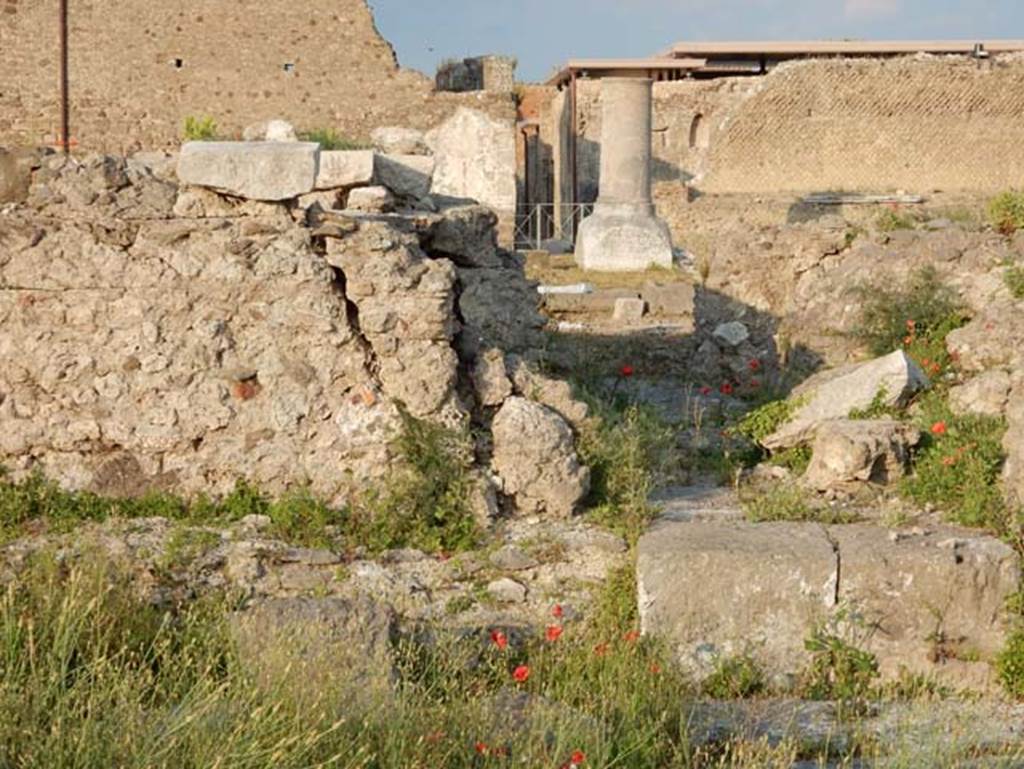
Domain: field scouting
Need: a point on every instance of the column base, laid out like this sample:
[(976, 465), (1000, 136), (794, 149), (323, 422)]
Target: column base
[(621, 241)]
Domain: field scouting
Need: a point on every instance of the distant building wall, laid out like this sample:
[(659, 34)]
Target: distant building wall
[(139, 67), (918, 124), (481, 73)]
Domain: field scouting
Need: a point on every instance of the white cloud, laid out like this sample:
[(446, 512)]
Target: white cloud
[(860, 8)]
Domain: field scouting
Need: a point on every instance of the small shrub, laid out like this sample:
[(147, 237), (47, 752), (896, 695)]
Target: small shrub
[(1010, 665), (329, 139), (796, 459), (1006, 211), (734, 678), (1014, 279), (892, 220), (202, 129), (917, 317), (958, 468), (765, 420)]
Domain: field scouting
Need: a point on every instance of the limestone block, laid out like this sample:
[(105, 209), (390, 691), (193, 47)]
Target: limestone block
[(834, 394), (270, 131), (715, 590), (476, 159), (407, 176), (599, 302), (614, 242), (396, 140), (629, 310), (535, 457), (255, 170), (860, 451), (308, 644), (468, 235), (371, 199), (490, 379), (671, 300), (345, 168), (933, 602), (986, 394)]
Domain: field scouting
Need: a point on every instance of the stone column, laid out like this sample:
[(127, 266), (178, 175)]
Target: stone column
[(623, 233)]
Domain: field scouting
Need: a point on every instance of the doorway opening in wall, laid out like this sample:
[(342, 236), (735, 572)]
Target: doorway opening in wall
[(700, 133)]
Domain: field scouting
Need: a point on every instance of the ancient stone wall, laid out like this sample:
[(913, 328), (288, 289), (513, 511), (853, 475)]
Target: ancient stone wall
[(480, 73), (917, 124), (138, 68)]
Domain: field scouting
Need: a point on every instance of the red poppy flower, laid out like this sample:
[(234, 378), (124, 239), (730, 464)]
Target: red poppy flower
[(632, 636), (500, 639), (911, 324), (655, 669), (949, 461), (939, 428), (726, 389), (626, 371), (553, 632), (600, 650), (557, 612), (521, 673), (481, 748), (754, 365), (705, 391), (577, 758)]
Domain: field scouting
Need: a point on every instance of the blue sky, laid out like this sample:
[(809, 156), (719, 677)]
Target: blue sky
[(544, 33)]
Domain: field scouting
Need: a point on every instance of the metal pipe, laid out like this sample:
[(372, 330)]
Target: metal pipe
[(65, 102)]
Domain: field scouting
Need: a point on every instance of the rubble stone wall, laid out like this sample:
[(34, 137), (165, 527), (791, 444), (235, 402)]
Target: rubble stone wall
[(138, 69)]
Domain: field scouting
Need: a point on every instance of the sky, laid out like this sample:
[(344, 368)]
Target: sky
[(545, 33)]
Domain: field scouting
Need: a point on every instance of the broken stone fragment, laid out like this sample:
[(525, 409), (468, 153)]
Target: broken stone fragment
[(270, 131), (490, 379), (506, 590), (396, 140), (408, 176), (887, 381), (535, 457), (733, 333), (270, 171), (370, 200), (345, 168), (629, 310), (850, 452)]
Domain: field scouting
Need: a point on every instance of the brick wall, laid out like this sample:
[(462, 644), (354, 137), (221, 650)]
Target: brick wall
[(139, 67)]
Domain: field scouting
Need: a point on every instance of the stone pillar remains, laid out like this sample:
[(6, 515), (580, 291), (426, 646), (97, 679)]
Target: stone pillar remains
[(623, 234)]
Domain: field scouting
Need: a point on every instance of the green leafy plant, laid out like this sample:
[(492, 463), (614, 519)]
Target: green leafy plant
[(200, 129), (329, 139), (958, 468), (839, 669), (917, 317), (1010, 665), (1006, 211), (788, 502), (878, 408), (765, 420)]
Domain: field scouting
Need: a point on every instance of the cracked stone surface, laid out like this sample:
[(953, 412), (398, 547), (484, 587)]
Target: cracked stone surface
[(929, 599)]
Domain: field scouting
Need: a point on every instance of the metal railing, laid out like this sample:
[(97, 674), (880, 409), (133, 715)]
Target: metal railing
[(539, 222)]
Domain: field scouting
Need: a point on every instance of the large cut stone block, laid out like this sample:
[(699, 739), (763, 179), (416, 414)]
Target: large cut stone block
[(614, 242), (409, 176), (715, 590), (253, 170), (476, 159), (345, 168)]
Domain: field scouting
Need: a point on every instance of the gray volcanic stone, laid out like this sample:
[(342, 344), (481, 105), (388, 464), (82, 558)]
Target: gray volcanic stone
[(408, 176), (254, 170)]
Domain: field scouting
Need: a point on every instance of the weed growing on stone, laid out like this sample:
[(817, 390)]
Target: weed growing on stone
[(917, 316), (839, 670), (200, 129), (1010, 662), (1006, 211), (892, 220), (788, 502), (629, 450), (329, 139), (738, 677), (423, 503), (758, 424), (1014, 279)]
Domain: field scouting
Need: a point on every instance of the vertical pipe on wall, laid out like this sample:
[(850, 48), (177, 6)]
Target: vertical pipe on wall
[(65, 102)]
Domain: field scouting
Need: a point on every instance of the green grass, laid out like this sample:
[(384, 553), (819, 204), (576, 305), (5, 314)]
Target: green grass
[(738, 677), (329, 139), (1014, 279), (788, 502), (422, 503), (892, 220), (200, 129), (758, 424), (1006, 211)]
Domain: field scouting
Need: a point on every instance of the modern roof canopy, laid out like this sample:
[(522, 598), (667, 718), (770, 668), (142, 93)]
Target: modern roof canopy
[(709, 59)]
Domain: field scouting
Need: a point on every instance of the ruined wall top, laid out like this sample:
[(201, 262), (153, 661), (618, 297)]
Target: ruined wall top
[(481, 73)]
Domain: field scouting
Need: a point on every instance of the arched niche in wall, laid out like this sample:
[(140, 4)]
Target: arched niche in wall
[(700, 132)]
